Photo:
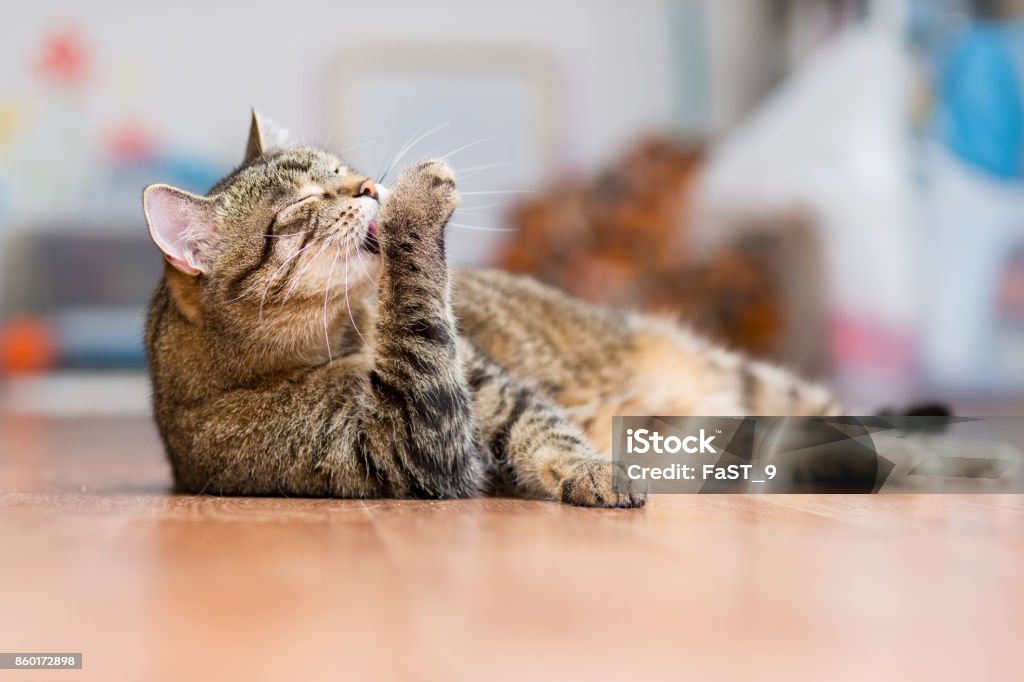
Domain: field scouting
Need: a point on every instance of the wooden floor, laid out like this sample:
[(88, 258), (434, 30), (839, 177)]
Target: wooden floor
[(96, 556)]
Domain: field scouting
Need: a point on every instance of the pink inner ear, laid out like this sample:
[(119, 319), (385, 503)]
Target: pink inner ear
[(173, 217), (181, 265)]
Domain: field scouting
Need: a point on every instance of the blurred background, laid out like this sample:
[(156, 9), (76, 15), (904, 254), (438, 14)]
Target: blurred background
[(835, 184)]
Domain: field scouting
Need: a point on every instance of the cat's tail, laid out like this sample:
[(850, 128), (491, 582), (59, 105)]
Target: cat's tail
[(771, 390), (931, 417)]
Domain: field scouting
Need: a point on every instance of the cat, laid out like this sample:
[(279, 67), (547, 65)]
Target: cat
[(308, 338)]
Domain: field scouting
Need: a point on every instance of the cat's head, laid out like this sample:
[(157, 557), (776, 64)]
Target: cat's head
[(291, 224)]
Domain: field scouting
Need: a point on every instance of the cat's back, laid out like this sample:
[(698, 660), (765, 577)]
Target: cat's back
[(536, 331), (494, 303)]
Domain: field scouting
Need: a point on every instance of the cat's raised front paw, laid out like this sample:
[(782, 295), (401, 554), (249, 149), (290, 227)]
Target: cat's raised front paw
[(423, 199)]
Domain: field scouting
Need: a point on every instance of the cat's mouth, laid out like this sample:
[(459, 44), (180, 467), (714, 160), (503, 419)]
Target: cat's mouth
[(372, 241)]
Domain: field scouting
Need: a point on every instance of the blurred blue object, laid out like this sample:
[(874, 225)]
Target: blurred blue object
[(980, 114), (190, 172), (185, 171)]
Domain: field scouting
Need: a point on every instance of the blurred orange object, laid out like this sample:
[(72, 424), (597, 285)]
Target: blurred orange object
[(27, 344), (624, 238)]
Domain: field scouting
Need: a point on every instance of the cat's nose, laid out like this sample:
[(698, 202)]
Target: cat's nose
[(368, 189)]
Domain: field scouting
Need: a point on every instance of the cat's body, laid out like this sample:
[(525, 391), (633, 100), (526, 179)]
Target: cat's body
[(309, 339)]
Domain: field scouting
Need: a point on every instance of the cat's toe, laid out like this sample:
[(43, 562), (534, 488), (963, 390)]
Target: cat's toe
[(598, 483), (438, 171)]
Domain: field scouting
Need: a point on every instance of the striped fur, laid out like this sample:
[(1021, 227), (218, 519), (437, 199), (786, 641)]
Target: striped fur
[(306, 359)]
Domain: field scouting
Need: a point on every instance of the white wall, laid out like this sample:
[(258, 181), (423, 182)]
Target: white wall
[(191, 69)]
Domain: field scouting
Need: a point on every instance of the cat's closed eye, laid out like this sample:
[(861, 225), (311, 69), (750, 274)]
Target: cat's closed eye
[(307, 193), (309, 197)]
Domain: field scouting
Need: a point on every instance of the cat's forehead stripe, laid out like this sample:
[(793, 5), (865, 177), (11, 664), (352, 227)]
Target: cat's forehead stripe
[(296, 165)]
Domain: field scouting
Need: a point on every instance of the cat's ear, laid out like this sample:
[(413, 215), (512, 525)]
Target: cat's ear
[(265, 135), (182, 225), (254, 148)]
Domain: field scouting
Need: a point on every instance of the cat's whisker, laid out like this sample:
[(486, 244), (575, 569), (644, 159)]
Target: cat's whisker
[(246, 292), (408, 147), (475, 209), (348, 304), (406, 150), (270, 166), (467, 146), (302, 270), (419, 138), (273, 277), (384, 170), (330, 135), (252, 287), (466, 173), (482, 167), (355, 147), (327, 295), (483, 228), (362, 264), (462, 207), (277, 171)]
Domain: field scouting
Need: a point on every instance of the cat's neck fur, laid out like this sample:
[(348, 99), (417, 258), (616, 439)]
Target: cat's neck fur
[(292, 339)]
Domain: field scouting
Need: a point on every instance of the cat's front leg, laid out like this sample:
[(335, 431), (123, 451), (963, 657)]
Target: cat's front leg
[(537, 450), (422, 407)]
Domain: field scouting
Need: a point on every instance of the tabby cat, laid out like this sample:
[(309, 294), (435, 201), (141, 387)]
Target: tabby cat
[(308, 338)]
